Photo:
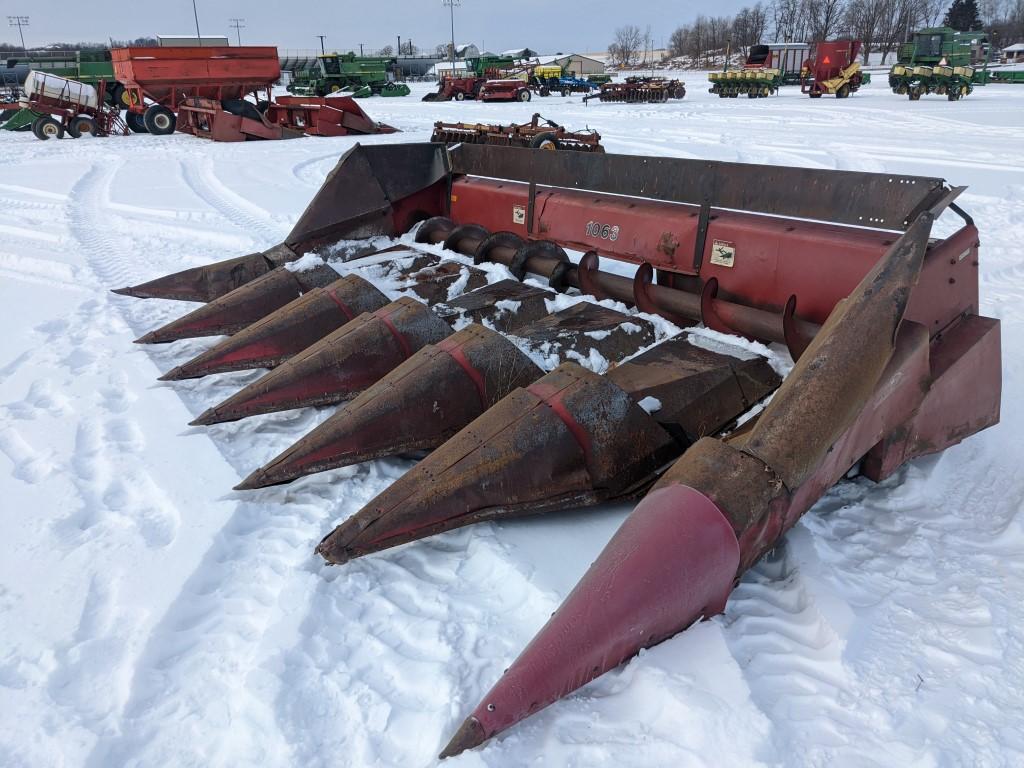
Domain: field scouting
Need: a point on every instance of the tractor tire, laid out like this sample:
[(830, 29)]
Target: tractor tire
[(242, 108), (159, 120), (565, 92), (83, 125), (545, 141), (334, 88), (844, 91), (46, 127), (460, 96), (545, 91), (135, 122), (523, 95), (115, 94)]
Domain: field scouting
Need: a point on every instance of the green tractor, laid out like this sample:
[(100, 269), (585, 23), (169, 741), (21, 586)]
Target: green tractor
[(358, 76), (942, 61)]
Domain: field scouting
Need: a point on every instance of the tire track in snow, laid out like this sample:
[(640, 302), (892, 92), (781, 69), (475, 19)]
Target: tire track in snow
[(203, 182)]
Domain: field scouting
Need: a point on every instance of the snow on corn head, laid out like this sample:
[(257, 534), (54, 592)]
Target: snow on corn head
[(496, 378)]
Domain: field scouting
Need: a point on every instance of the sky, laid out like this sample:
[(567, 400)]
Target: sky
[(547, 26)]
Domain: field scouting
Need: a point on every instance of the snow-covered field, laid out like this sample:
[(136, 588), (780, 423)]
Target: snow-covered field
[(151, 616)]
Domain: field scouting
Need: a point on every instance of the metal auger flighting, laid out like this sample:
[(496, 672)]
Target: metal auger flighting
[(893, 361)]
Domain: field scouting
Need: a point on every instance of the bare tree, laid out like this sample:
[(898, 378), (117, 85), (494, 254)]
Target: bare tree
[(624, 50), (864, 21), (387, 50)]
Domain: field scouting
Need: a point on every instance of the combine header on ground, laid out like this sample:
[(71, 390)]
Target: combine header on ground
[(640, 90), (539, 133), (893, 361)]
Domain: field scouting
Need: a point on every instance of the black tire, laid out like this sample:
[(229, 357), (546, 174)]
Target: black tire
[(843, 92), (565, 92), (242, 108), (524, 95), (914, 94), (460, 96), (115, 93), (83, 125), (815, 95), (159, 120), (545, 91), (135, 122), (46, 127), (545, 141)]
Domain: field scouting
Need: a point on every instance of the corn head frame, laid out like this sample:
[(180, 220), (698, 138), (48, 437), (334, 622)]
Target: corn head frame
[(893, 361)]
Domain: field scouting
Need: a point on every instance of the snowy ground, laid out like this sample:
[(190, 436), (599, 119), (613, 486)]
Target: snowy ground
[(150, 616)]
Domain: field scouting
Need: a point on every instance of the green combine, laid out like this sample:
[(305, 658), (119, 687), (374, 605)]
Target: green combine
[(942, 61), (357, 76)]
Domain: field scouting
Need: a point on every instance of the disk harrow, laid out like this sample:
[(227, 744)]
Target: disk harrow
[(640, 90), (487, 368), (549, 135)]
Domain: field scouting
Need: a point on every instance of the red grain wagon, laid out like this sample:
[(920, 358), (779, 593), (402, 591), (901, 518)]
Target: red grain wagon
[(170, 77)]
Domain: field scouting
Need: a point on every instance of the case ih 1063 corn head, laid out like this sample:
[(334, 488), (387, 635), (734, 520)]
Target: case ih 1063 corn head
[(893, 361)]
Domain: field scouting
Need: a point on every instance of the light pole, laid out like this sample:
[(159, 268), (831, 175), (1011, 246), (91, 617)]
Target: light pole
[(195, 12), (322, 43), (238, 26), (451, 8), (19, 22)]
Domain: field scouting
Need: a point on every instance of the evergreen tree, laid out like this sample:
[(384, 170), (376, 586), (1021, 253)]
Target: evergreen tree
[(963, 16)]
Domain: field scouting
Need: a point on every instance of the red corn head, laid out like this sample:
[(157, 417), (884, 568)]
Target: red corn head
[(339, 366), (287, 331), (419, 405), (243, 306), (723, 504)]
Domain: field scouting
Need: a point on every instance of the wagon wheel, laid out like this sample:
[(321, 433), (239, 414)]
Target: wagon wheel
[(83, 125), (135, 122), (46, 127), (159, 120), (546, 141)]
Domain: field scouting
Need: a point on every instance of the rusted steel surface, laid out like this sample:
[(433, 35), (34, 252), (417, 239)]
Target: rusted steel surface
[(363, 195), (699, 392), (339, 366), (243, 306), (572, 438), (584, 327), (856, 377), (417, 406), (213, 280), (287, 331), (504, 305), (640, 90)]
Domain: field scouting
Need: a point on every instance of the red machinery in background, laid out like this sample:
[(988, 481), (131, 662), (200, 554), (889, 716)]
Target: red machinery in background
[(224, 94), (833, 69)]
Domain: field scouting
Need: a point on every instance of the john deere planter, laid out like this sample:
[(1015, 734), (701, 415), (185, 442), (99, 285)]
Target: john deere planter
[(531, 397)]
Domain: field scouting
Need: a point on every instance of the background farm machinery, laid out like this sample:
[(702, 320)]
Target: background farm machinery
[(942, 61), (833, 69), (479, 70), (539, 133), (60, 106), (916, 81), (359, 76), (640, 90), (893, 361)]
